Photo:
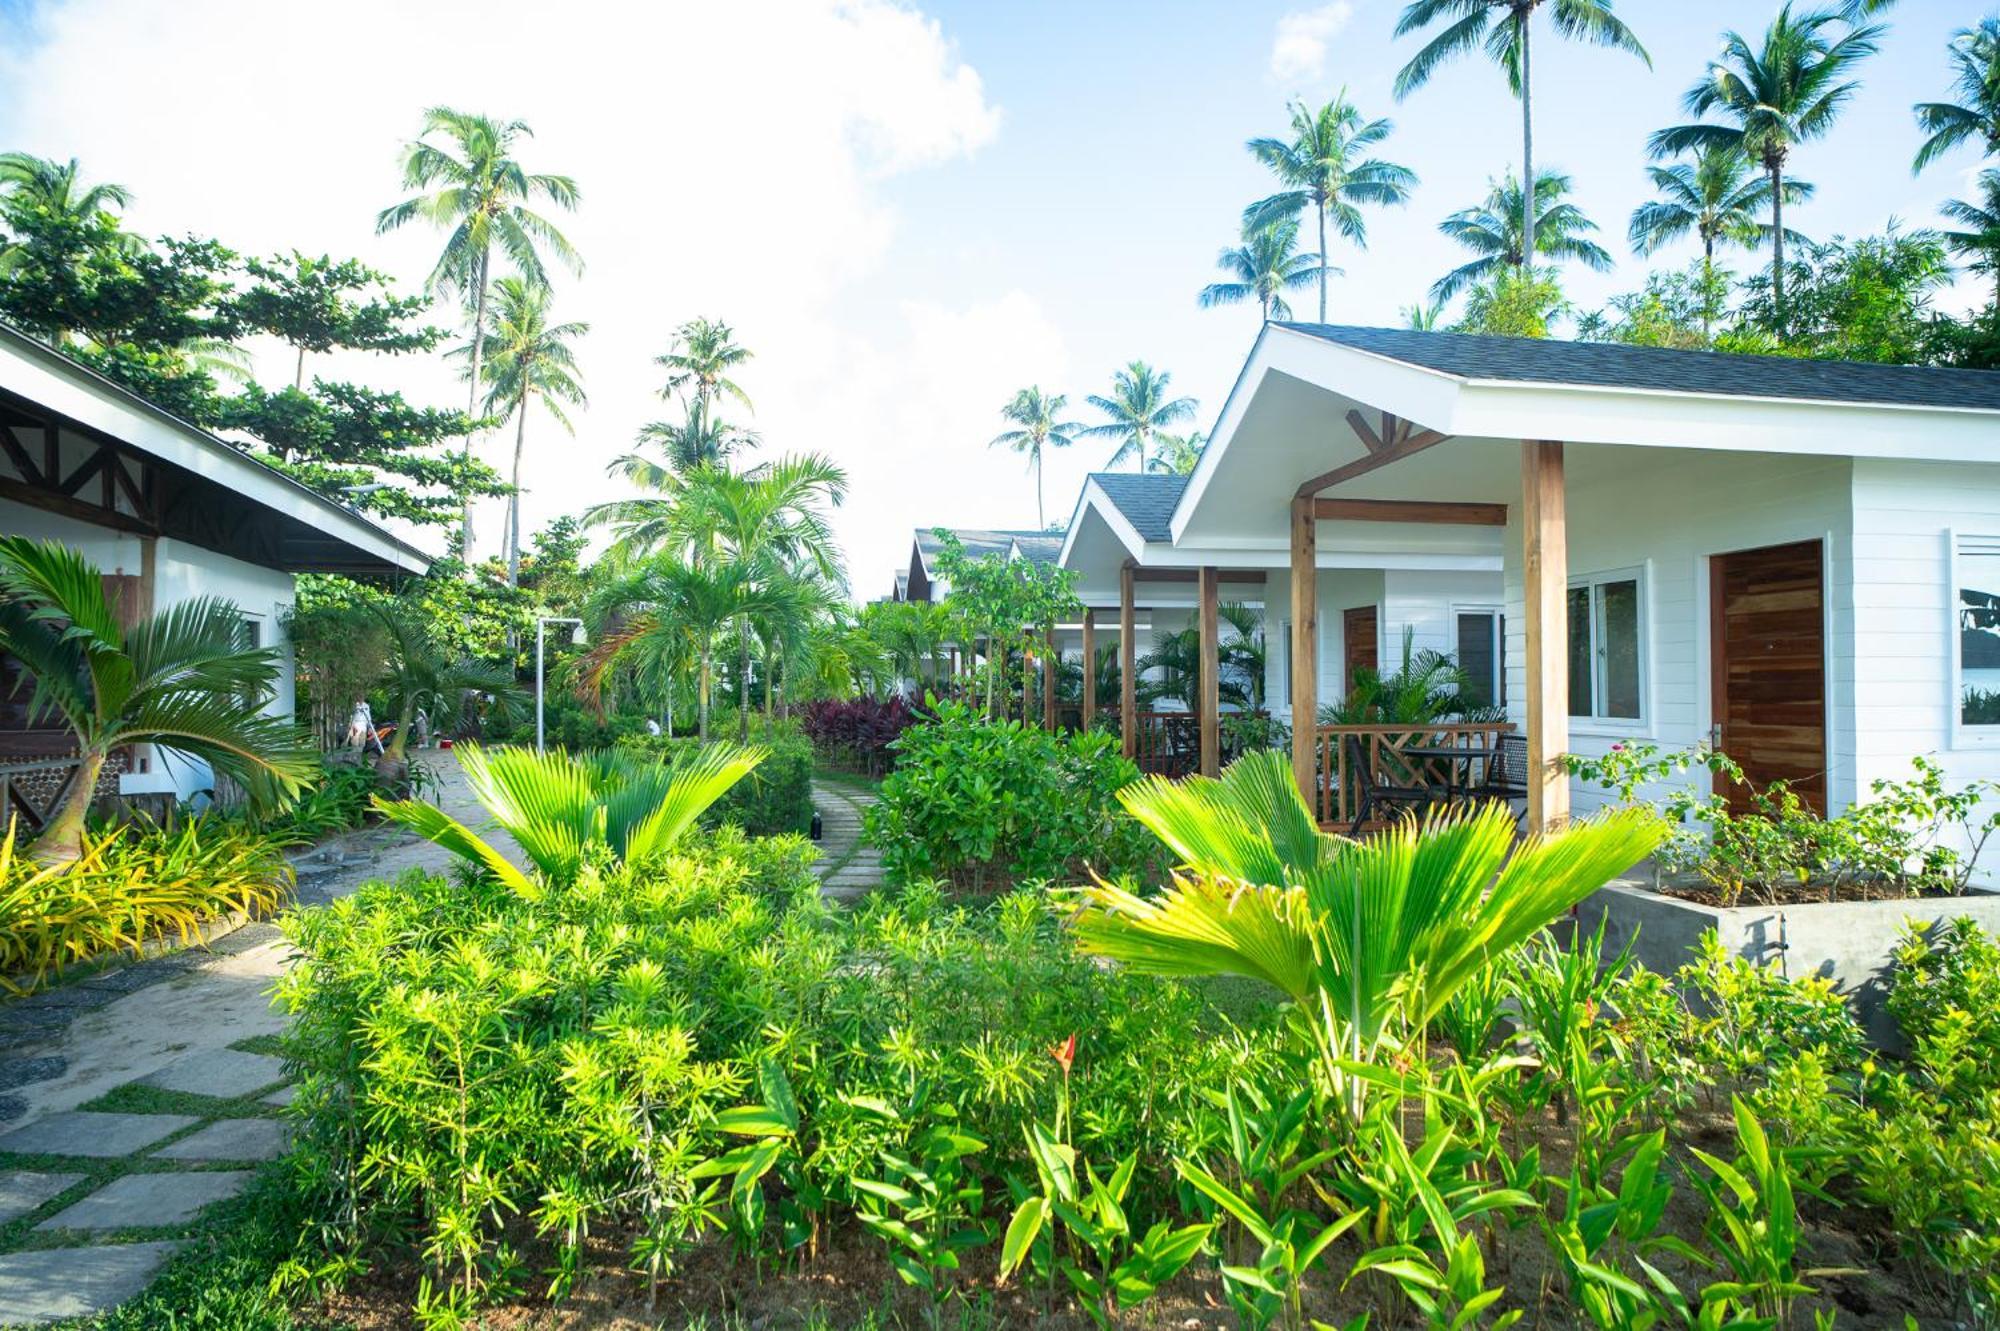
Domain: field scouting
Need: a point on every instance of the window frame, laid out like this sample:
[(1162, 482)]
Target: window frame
[(1595, 722), (1497, 615), (1963, 736)]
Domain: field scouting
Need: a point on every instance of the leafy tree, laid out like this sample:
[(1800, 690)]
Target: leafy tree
[(1492, 230), (1325, 169), (1504, 30), (479, 196), (1008, 602), (183, 677), (1266, 265), (1975, 116), (1139, 409), (1716, 198), (1865, 300), (1979, 243), (1034, 416), (41, 184), (1178, 453), (1673, 310), (1514, 304), (1786, 90), (317, 305), (71, 276)]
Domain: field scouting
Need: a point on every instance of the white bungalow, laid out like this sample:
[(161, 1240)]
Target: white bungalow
[(1797, 560), (169, 513)]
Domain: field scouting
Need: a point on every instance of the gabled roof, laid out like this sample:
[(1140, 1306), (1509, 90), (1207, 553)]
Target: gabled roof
[(1146, 500), (1664, 369), (976, 540), (1040, 547)]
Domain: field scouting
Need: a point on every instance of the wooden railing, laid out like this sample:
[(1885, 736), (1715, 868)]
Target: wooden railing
[(1348, 757)]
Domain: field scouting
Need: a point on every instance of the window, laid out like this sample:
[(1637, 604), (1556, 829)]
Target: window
[(1482, 655), (1606, 648), (1285, 680), (1978, 571)]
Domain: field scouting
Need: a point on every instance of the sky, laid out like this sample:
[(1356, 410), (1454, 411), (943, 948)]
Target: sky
[(907, 212)]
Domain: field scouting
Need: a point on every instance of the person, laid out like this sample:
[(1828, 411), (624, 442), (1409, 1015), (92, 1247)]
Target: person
[(652, 726), (361, 728)]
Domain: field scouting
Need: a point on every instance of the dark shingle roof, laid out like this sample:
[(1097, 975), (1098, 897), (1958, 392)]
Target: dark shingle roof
[(1147, 501), (977, 540), (1615, 365), (1041, 547)]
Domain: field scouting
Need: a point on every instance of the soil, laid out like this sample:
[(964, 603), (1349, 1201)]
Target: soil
[(1688, 887)]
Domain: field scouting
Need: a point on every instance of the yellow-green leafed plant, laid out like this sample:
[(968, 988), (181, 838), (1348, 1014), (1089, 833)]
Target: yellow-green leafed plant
[(1370, 938), (557, 806), (127, 886)]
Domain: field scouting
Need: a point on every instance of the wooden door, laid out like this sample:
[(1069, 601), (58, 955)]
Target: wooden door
[(1767, 636), (1358, 643)]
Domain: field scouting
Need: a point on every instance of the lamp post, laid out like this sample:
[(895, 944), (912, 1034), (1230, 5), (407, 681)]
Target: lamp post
[(577, 638)]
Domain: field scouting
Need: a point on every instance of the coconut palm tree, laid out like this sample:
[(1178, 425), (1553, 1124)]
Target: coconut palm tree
[(1325, 168), (479, 195), (1139, 409), (1979, 242), (699, 361), (1717, 197), (1975, 116), (1492, 230), (1784, 91), (1426, 316), (57, 187), (1504, 30), (702, 439), (1034, 414), (183, 677), (1266, 265), (530, 359)]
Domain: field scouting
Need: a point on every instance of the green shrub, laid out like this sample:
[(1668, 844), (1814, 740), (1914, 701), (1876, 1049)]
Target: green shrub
[(975, 802), (774, 799)]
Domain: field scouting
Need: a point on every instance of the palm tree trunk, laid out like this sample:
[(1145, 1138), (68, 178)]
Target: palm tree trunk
[(61, 839), (299, 375), (1322, 268), (1041, 518), (701, 711), (514, 499), (1707, 285), (1527, 148), (472, 401), (1778, 243), (742, 679)]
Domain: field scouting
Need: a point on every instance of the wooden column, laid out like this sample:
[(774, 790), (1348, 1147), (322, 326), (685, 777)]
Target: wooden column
[(1545, 585), (1128, 693), (1050, 662), (1210, 704), (1305, 650), (1089, 669)]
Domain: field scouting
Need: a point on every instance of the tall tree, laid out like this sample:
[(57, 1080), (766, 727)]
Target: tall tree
[(1978, 243), (317, 304), (533, 359), (1504, 29), (479, 196), (1717, 198), (1975, 115), (1324, 167), (1035, 416), (1266, 265), (1177, 453), (702, 439), (1139, 409), (1784, 91), (1493, 231), (57, 188), (698, 363)]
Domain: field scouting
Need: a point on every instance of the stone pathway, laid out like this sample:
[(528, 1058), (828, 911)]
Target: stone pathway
[(133, 1099), (848, 867)]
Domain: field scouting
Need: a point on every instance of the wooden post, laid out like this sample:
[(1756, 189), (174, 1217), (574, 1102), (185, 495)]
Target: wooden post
[(1305, 651), (1049, 673), (1545, 586), (1210, 704), (1089, 669), (1128, 693)]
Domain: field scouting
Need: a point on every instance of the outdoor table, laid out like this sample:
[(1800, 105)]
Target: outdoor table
[(1452, 755)]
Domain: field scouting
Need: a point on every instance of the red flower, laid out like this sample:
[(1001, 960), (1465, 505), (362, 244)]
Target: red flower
[(1065, 1054)]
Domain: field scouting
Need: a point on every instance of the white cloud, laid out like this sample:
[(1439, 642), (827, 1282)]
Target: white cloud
[(731, 158), (1298, 52)]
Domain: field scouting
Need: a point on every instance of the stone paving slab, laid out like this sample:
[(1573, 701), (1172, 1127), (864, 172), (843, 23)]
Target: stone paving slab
[(88, 1132), (22, 1190), (231, 1139), (281, 1097), (21, 1071), (54, 1283), (224, 1073), (141, 1200)]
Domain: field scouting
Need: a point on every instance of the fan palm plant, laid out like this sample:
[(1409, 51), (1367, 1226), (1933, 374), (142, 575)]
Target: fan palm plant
[(1979, 241), (559, 807), (1717, 198), (1370, 939), (1266, 265), (1324, 167), (531, 359), (479, 195), (1975, 116), (1777, 94), (1504, 30), (1037, 427), (183, 677), (1140, 410), (1492, 230)]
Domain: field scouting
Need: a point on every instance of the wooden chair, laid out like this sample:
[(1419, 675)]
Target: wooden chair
[(1372, 792)]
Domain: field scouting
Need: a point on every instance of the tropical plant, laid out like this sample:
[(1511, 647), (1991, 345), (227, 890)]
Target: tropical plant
[(1177, 454), (1265, 266), (1371, 939), (699, 362), (1979, 242), (530, 359), (1785, 91), (702, 439), (317, 304), (1504, 30), (1324, 168), (426, 676), (1716, 198), (479, 195), (675, 610), (184, 678), (1140, 411), (1492, 231), (1033, 414), (1426, 687), (1975, 116), (56, 189)]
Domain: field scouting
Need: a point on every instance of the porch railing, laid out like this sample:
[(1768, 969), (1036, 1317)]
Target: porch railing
[(1351, 757)]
